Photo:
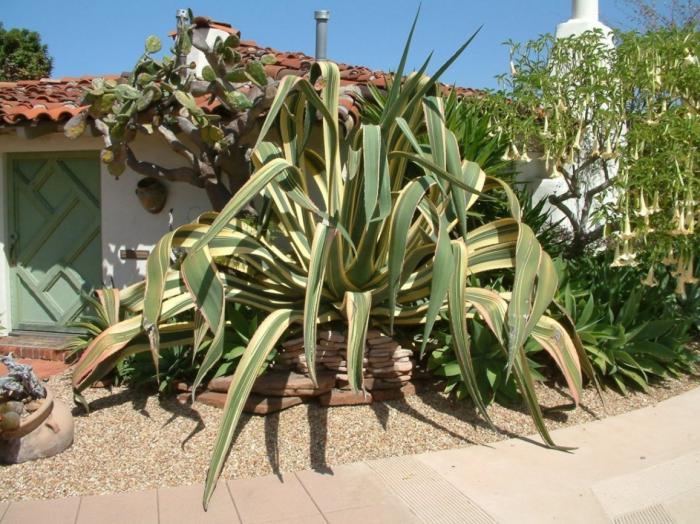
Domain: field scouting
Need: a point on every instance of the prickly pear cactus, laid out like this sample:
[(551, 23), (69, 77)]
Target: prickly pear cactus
[(21, 383)]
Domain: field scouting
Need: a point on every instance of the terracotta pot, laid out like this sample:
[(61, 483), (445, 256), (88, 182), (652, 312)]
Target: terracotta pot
[(152, 194), (46, 432)]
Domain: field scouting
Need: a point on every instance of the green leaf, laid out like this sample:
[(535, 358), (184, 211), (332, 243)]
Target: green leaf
[(262, 343), (320, 251), (238, 101), (208, 73), (152, 44), (232, 41), (256, 72), (358, 306)]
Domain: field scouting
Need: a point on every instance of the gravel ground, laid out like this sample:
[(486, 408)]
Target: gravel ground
[(132, 440)]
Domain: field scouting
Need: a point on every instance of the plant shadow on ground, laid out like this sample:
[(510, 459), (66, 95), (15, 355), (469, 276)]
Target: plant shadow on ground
[(317, 417), (138, 398)]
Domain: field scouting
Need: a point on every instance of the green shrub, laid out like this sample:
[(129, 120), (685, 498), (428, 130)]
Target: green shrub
[(634, 334)]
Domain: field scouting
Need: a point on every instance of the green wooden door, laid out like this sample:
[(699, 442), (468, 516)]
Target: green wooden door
[(54, 228)]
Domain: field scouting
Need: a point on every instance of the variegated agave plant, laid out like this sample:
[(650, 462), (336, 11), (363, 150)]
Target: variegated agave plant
[(375, 229)]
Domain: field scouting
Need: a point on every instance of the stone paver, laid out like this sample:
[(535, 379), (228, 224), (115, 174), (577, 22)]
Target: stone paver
[(3, 509), (62, 511), (346, 487), (137, 507), (183, 505), (649, 486), (683, 506), (269, 498), (387, 513), (516, 481)]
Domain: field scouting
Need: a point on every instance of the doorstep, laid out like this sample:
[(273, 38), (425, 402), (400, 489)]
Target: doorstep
[(38, 345)]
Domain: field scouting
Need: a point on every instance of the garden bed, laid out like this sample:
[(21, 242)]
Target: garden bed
[(132, 440)]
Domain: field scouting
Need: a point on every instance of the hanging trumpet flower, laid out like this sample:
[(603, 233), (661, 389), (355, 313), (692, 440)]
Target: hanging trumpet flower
[(689, 59), (643, 210), (688, 272), (670, 258), (650, 281), (679, 221), (627, 233), (608, 153), (655, 208), (617, 260)]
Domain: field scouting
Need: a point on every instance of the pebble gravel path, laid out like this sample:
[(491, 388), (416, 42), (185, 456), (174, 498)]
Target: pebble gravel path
[(132, 440)]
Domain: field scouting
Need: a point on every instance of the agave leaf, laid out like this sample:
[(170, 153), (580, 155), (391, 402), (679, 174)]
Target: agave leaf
[(458, 325), (259, 347), (400, 222), (442, 274), (109, 300), (357, 306), (208, 293), (320, 251), (528, 303)]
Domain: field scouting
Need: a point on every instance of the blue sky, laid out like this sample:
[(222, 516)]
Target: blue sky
[(98, 36)]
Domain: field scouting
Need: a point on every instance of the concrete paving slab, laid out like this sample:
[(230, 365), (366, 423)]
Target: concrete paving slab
[(386, 513), (312, 519), (3, 509), (136, 507), (345, 487), (183, 505), (649, 486), (270, 498), (684, 507), (61, 511), (655, 514), (426, 493), (516, 481)]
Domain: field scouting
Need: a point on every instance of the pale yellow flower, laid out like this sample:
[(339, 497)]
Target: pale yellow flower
[(650, 281)]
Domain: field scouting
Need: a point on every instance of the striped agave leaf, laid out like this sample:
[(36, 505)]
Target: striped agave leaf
[(371, 229)]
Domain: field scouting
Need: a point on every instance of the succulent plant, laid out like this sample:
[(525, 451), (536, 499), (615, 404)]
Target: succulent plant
[(164, 97)]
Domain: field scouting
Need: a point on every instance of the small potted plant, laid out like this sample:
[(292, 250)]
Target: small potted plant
[(32, 423)]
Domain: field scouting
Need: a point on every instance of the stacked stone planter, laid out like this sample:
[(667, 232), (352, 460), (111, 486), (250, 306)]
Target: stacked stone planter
[(386, 363), (388, 369)]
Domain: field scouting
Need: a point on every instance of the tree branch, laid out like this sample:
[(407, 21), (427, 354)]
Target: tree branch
[(177, 174)]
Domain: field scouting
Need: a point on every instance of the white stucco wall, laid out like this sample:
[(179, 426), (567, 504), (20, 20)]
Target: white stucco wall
[(125, 224)]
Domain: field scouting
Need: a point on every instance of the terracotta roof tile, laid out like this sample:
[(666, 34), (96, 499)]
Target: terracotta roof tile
[(59, 99)]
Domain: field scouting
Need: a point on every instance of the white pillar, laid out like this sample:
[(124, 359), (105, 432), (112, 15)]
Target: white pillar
[(584, 17), (585, 9)]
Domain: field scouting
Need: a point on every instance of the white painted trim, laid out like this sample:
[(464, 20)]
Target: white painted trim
[(5, 309)]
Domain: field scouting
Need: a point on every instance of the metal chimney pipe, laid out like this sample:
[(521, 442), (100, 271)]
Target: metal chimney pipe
[(322, 17), (181, 24)]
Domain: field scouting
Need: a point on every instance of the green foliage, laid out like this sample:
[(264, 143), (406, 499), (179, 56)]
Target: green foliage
[(494, 383), (23, 56), (634, 335), (603, 117)]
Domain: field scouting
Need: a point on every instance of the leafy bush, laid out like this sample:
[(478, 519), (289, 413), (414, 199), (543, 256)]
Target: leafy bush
[(180, 357), (633, 334), (490, 365)]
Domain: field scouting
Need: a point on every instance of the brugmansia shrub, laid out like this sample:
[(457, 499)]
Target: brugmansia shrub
[(619, 125), (373, 230)]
